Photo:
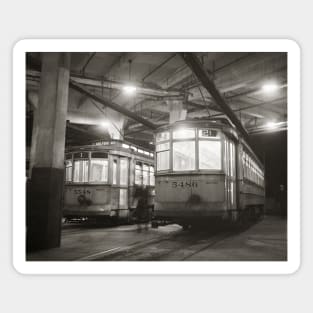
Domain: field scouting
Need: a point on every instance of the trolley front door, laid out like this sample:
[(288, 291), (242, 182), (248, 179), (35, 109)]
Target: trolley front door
[(120, 185), (123, 181), (231, 174)]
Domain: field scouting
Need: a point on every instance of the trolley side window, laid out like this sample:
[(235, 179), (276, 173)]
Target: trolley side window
[(145, 174), (163, 156), (210, 157), (152, 178), (138, 174), (68, 168), (244, 164), (252, 171), (114, 172), (123, 171)]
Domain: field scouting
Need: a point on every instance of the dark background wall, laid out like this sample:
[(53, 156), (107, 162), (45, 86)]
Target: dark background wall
[(272, 150)]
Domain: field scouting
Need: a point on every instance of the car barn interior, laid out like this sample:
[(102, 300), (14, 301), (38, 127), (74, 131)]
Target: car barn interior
[(156, 156)]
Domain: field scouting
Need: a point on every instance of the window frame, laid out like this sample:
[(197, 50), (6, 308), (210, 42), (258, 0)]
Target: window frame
[(220, 136), (121, 158), (146, 172), (161, 142), (89, 174), (88, 170), (195, 154), (141, 178), (252, 171), (72, 168), (150, 175)]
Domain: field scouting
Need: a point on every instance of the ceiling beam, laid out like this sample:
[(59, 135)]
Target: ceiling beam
[(260, 129), (159, 66), (254, 106), (199, 71), (111, 84), (88, 133), (112, 105), (90, 57)]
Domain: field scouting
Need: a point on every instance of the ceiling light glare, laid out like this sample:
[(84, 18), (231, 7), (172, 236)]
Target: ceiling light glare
[(129, 89), (270, 87), (271, 125), (104, 125)]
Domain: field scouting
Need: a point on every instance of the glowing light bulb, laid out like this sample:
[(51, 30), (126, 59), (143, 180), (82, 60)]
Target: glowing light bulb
[(129, 89), (104, 125), (270, 87), (271, 125)]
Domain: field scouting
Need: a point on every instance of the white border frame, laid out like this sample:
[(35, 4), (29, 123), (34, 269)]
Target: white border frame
[(156, 45)]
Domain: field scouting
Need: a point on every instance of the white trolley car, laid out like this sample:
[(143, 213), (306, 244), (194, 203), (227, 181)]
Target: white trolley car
[(206, 171), (105, 181)]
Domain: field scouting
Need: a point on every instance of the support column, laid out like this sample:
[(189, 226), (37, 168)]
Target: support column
[(177, 110), (33, 98), (44, 207)]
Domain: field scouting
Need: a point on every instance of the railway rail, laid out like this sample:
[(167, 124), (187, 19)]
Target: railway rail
[(176, 246)]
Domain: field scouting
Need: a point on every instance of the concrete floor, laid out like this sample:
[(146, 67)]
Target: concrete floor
[(264, 241)]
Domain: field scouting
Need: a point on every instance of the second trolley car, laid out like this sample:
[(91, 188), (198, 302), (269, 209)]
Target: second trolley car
[(107, 180), (206, 171)]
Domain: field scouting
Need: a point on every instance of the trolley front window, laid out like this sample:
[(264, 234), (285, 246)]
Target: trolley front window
[(210, 155), (99, 170), (80, 171), (184, 156)]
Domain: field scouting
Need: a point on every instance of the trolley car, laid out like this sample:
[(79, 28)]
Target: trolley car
[(205, 171), (106, 180)]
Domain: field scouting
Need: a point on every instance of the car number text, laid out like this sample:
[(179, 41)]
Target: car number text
[(184, 184)]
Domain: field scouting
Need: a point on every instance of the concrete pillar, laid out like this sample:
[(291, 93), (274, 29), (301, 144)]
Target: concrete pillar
[(45, 188), (177, 110), (33, 98)]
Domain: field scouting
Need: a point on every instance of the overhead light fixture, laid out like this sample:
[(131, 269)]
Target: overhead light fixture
[(270, 87), (129, 89), (271, 125), (104, 124)]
